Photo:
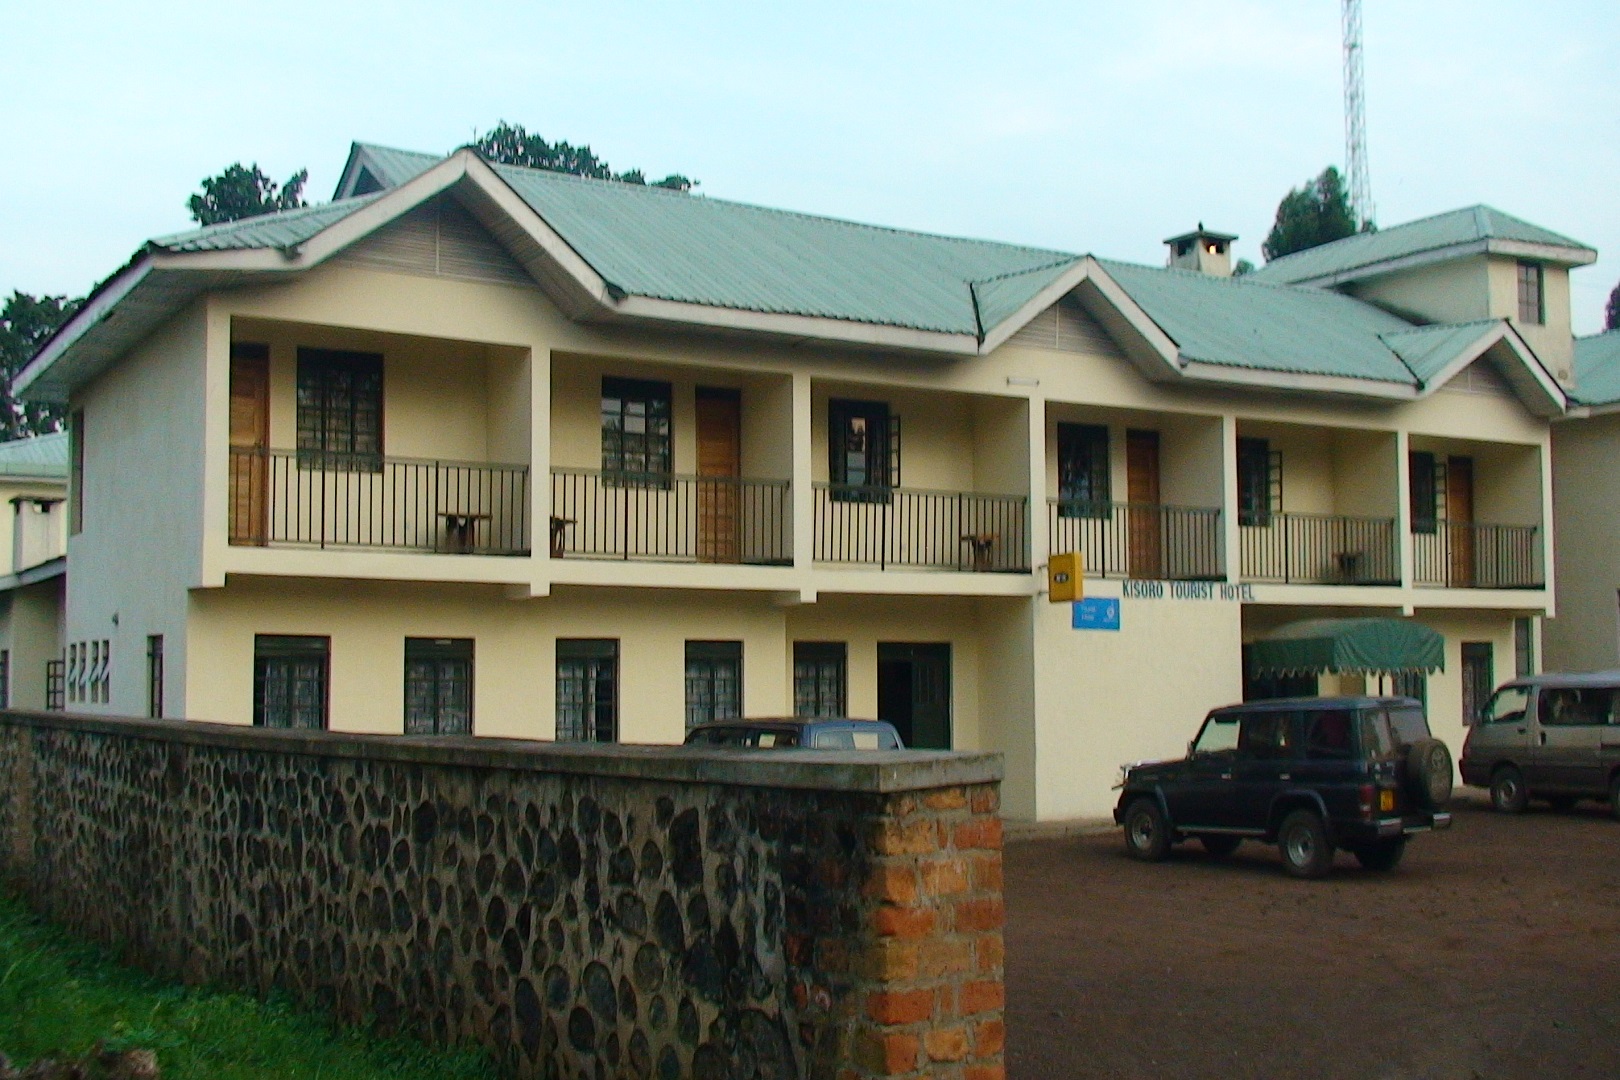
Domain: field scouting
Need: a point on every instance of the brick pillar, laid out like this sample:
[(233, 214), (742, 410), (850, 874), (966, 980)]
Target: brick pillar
[(929, 973)]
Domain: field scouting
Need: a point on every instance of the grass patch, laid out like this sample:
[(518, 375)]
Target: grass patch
[(60, 996)]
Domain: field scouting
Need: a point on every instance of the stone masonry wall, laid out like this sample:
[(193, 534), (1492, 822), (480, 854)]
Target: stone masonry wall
[(586, 912)]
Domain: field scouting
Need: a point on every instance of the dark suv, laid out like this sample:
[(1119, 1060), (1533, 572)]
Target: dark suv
[(1308, 774)]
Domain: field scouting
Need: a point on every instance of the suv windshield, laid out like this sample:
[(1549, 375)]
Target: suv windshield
[(1220, 735)]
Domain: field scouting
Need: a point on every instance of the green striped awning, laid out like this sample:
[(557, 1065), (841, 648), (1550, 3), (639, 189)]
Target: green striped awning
[(1348, 647)]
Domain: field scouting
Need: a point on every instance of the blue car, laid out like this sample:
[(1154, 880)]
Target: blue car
[(781, 734)]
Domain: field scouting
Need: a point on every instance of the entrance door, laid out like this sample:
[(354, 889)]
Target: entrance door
[(1142, 490), (1460, 520), (250, 439), (719, 465), (914, 693)]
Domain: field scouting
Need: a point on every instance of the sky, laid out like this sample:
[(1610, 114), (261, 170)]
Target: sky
[(1087, 126)]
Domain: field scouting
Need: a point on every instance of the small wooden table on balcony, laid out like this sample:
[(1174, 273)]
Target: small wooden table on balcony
[(558, 524), (981, 544), (461, 529)]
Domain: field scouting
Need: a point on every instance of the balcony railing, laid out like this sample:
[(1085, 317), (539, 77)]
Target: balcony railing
[(1463, 555), (325, 500), (678, 518), (1139, 540), (1320, 549), (942, 530)]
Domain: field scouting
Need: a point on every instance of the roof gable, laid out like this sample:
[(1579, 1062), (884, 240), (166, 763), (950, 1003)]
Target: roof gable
[(1597, 369)]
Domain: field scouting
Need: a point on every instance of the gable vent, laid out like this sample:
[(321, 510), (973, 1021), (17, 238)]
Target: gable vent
[(438, 239)]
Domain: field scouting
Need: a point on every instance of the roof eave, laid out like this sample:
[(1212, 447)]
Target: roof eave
[(1530, 379), (1305, 382), (1547, 253)]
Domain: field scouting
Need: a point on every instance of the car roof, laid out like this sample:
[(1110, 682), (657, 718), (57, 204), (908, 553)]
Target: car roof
[(1569, 678), (1317, 704), (784, 722)]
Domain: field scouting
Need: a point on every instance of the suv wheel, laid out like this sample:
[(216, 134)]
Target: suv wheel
[(1303, 840), (1384, 855), (1508, 793), (1147, 834)]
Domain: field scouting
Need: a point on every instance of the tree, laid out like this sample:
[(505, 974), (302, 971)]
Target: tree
[(1611, 320), (26, 322), (510, 144), (239, 193), (1244, 266), (1318, 213)]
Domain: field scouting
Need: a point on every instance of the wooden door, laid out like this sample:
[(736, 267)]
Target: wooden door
[(1460, 520), (250, 442), (719, 466), (1144, 541), (914, 692)]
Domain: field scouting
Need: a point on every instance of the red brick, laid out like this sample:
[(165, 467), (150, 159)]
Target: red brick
[(978, 997), (985, 871), (986, 914), (985, 1072), (980, 832), (946, 877), (892, 960), (910, 838), (989, 1038), (888, 1054), (991, 951), (946, 1044), (985, 799), (900, 1007), (896, 883), (939, 957), (903, 922), (946, 799)]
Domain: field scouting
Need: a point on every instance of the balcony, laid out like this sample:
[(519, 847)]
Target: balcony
[(1320, 549), (1463, 555), (1139, 540), (607, 515), (907, 527), (324, 500)]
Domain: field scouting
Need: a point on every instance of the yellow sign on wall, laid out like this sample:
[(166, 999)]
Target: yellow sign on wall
[(1064, 574)]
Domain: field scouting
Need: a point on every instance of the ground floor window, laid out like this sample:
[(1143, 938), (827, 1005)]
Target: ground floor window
[(587, 690), (820, 678), (438, 686), (55, 683), (713, 681), (1478, 678), (154, 676), (290, 680), (1524, 647)]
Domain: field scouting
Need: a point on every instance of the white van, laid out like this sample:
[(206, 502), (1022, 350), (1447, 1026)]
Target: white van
[(1552, 737)]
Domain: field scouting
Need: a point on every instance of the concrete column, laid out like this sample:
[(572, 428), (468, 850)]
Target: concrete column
[(1403, 508), (1231, 534), (540, 470), (804, 525)]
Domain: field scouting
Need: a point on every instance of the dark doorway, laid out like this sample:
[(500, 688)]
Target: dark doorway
[(914, 692)]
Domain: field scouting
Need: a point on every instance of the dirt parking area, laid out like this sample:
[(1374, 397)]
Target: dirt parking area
[(1493, 951)]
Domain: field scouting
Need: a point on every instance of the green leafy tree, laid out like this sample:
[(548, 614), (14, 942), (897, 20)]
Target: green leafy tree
[(239, 193), (1244, 266), (1611, 317), (510, 144), (1318, 213), (26, 323)]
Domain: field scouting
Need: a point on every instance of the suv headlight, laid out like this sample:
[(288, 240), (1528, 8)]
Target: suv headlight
[(1124, 774)]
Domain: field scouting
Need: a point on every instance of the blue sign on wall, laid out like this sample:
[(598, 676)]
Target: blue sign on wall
[(1096, 613)]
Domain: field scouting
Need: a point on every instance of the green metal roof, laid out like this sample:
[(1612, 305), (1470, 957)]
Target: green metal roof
[(40, 456), (393, 167), (279, 230), (1457, 227), (1597, 369), (1429, 350), (1237, 322)]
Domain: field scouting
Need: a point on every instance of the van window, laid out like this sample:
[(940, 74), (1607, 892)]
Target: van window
[(1506, 706), (1570, 706)]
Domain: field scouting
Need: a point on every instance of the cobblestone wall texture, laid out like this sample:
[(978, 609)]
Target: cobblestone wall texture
[(581, 925)]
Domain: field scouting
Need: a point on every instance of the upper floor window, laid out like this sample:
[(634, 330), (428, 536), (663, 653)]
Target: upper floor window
[(1532, 295), (863, 448), (340, 410), (1083, 481), (636, 441), (1259, 476), (1423, 470)]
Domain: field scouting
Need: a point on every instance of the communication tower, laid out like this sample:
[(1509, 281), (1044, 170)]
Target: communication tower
[(1355, 116)]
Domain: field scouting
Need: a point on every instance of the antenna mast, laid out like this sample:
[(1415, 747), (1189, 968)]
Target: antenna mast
[(1355, 116)]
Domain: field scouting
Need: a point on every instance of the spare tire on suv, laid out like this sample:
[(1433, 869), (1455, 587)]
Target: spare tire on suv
[(1426, 773)]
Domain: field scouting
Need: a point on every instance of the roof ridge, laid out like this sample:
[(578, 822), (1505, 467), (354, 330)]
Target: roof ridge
[(1454, 212), (1425, 327), (1054, 264), (1235, 279), (296, 213)]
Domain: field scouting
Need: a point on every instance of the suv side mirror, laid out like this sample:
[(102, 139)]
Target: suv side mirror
[(1190, 744)]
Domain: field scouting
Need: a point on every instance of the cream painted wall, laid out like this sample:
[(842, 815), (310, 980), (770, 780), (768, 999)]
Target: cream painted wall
[(31, 630), (30, 536), (1007, 682), (140, 548), (1585, 636), (1364, 474), (1550, 339), (935, 429), (1456, 291)]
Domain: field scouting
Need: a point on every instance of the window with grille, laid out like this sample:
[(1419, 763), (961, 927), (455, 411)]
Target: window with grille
[(863, 448), (1524, 647), (636, 431), (820, 678), (154, 676), (1532, 295), (438, 686), (713, 681), (587, 690), (1424, 471), (1412, 684), (55, 685), (1259, 470), (340, 410), (1084, 486), (290, 681)]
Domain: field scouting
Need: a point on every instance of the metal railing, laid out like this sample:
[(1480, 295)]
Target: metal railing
[(946, 530), (1139, 540), (718, 519), (1464, 555), (319, 499), (1320, 549)]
